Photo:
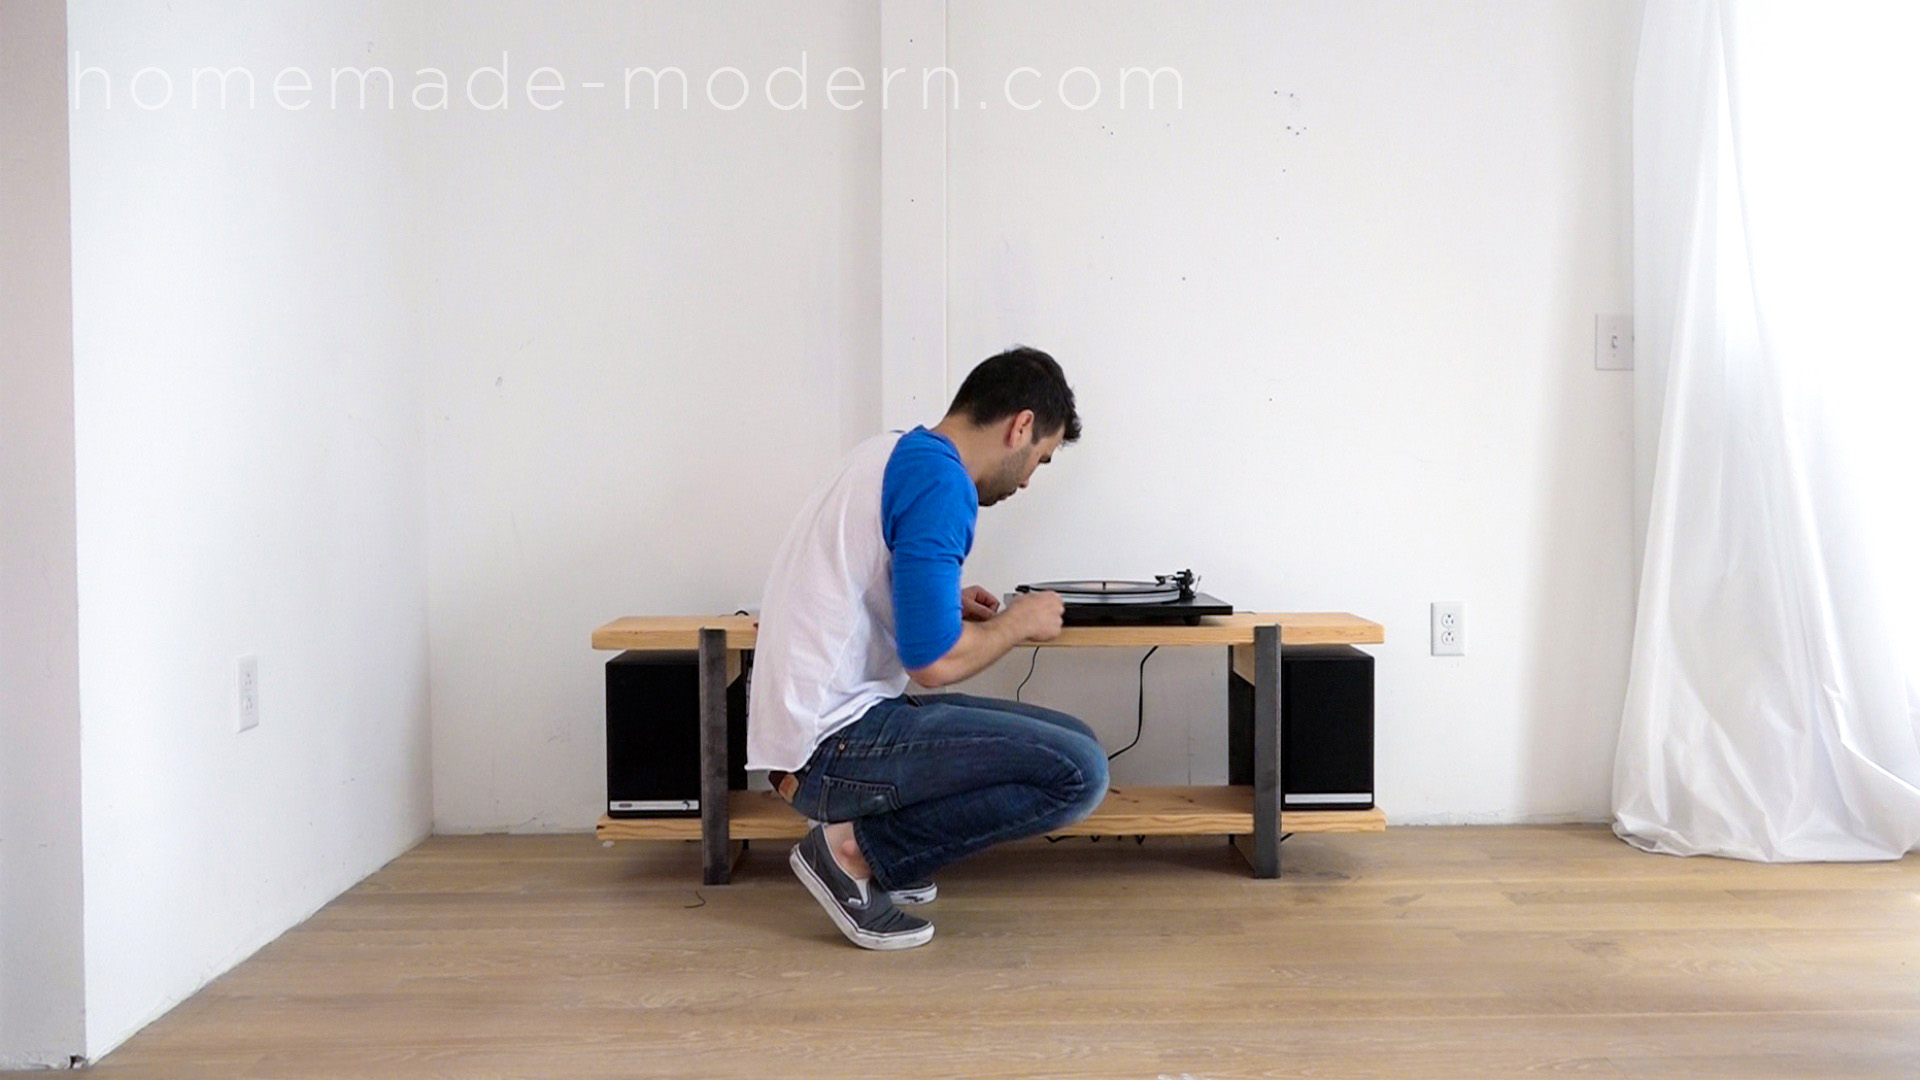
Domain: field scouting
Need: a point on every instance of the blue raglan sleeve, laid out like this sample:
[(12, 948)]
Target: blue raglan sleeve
[(927, 510)]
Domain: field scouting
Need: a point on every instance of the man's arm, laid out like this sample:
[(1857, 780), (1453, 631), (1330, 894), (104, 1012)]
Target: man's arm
[(1028, 617)]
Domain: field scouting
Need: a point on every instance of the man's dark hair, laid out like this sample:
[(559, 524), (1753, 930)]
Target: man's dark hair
[(1020, 378)]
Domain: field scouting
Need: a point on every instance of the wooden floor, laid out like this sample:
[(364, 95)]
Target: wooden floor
[(1414, 953)]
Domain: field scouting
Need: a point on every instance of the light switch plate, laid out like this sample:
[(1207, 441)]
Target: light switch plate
[(1613, 342)]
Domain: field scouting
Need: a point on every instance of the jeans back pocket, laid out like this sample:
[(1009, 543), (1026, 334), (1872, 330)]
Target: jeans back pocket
[(844, 800)]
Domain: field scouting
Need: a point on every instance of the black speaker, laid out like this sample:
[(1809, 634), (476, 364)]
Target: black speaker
[(1326, 728), (653, 734)]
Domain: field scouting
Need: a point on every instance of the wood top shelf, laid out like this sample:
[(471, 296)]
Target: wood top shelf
[(664, 632), (1132, 811)]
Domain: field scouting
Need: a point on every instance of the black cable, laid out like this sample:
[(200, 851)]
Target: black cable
[(1139, 725), (1140, 719), (1023, 682)]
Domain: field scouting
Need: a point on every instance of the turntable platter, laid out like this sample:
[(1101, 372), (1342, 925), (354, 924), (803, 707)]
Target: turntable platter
[(1107, 599), (1168, 598), (1109, 591)]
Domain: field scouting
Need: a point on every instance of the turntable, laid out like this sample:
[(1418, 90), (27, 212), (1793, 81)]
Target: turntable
[(1168, 598)]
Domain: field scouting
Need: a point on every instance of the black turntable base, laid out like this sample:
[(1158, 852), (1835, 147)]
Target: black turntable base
[(1168, 598)]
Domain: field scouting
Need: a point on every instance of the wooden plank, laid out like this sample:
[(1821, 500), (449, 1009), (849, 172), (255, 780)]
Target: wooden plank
[(1133, 811), (1333, 821), (1242, 661), (1296, 628), (652, 632), (1168, 811), (660, 632)]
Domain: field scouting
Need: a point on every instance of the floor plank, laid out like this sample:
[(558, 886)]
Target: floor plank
[(1413, 953)]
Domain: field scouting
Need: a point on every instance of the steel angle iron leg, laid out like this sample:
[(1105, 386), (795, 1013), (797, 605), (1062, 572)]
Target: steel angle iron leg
[(714, 825), (1267, 795)]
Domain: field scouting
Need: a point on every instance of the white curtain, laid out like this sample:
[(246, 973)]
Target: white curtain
[(1773, 710)]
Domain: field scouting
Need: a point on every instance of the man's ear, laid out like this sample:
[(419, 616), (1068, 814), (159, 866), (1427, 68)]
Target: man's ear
[(1020, 430)]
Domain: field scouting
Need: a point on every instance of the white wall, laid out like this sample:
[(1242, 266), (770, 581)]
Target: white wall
[(346, 386), (649, 333), (248, 400), (1373, 387), (1330, 325), (41, 958)]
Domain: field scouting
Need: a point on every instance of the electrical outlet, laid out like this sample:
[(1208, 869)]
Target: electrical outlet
[(249, 712), (1449, 628)]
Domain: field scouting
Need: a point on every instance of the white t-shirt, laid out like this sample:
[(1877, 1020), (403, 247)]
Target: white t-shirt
[(821, 662)]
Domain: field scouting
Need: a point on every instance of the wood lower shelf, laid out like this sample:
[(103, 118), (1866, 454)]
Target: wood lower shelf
[(1133, 811)]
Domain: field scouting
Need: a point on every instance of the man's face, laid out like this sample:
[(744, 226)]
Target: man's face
[(1017, 468)]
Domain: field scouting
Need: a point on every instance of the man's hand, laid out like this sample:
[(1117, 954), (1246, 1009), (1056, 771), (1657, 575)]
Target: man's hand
[(1027, 618), (1037, 614), (977, 604)]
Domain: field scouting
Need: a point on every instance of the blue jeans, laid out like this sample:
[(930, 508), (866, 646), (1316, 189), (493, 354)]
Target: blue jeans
[(927, 779)]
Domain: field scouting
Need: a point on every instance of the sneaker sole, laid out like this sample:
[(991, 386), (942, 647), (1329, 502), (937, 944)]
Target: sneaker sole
[(915, 896), (866, 939)]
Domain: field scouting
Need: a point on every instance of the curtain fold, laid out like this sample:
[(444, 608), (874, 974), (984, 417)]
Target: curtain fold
[(1772, 709)]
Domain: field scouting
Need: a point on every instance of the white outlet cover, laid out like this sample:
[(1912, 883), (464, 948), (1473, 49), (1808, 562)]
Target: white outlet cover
[(1449, 628), (247, 712), (1613, 342)]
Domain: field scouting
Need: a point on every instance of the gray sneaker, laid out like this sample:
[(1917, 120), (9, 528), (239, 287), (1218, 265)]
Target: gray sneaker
[(866, 916), (920, 892)]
